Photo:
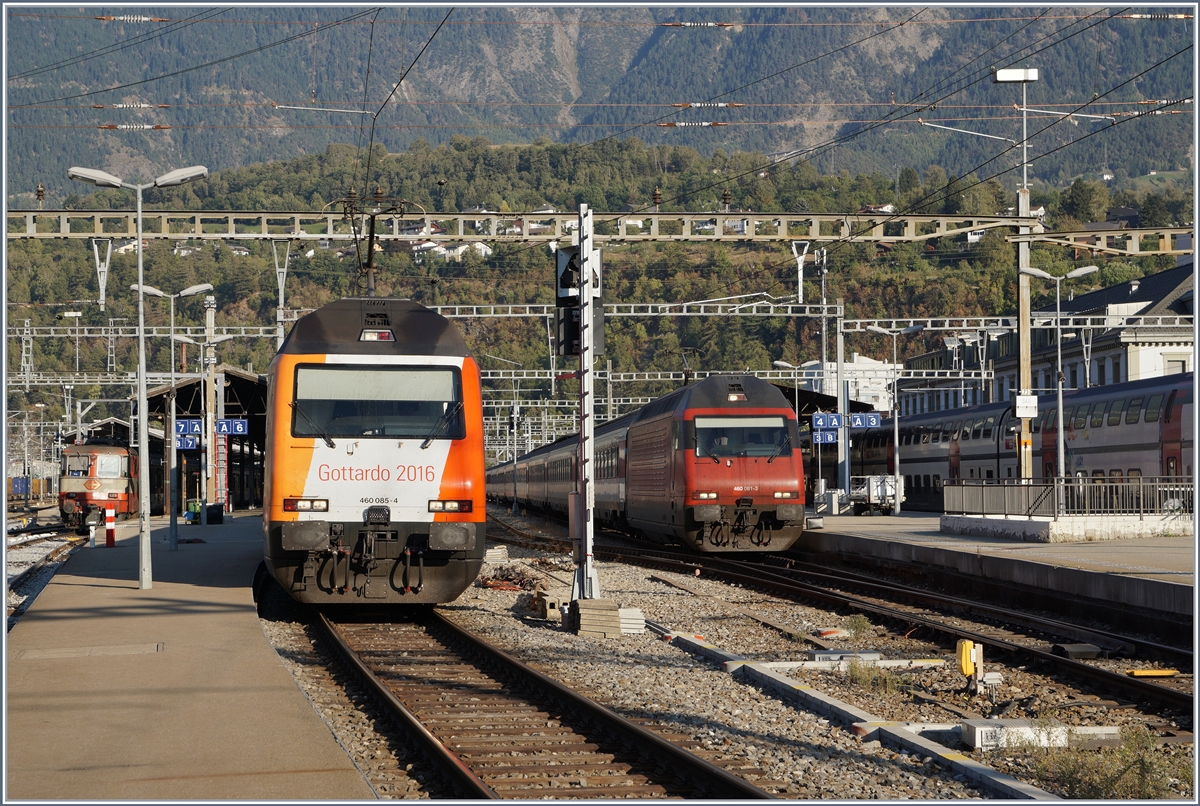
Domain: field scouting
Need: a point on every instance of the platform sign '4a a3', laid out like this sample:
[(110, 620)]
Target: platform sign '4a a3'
[(822, 421)]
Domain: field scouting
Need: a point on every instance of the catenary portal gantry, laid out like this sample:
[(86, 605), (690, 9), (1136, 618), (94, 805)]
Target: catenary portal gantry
[(552, 227)]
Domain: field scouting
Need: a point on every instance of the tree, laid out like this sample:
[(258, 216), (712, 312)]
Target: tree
[(1086, 201)]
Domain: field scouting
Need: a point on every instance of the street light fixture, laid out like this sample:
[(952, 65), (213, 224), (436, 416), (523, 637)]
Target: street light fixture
[(174, 492), (1080, 272), (516, 510), (107, 180), (896, 404)]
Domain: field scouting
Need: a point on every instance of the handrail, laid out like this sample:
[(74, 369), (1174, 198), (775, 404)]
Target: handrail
[(1062, 496)]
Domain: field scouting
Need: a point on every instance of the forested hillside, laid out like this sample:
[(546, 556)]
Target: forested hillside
[(805, 77), (946, 277)]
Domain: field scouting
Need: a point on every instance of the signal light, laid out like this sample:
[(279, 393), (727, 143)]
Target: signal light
[(377, 335), (305, 505), (451, 506)]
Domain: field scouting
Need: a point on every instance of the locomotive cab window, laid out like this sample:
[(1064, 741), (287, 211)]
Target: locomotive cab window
[(743, 436), (108, 466), (381, 402), (75, 464)]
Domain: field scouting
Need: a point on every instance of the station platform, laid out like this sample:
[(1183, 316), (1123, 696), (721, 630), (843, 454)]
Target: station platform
[(170, 693), (1152, 573)]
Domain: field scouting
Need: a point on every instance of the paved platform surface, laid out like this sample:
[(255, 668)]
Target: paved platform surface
[(169, 693), (1158, 573)]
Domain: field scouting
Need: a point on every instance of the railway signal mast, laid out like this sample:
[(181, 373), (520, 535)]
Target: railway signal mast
[(586, 584)]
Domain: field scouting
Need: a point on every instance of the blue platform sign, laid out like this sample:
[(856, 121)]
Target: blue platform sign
[(829, 437), (187, 443), (824, 421), (232, 427), (189, 426), (868, 420)]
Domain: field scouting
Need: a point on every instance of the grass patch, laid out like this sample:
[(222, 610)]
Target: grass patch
[(1136, 770)]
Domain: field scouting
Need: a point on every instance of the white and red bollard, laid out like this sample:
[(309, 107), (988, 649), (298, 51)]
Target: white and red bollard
[(110, 527)]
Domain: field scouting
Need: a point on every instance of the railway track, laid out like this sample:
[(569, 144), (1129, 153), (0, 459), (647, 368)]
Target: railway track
[(1013, 632), (501, 730)]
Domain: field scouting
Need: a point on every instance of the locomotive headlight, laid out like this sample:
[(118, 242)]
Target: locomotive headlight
[(451, 506), (705, 496), (112, 495), (377, 335), (786, 494), (305, 505)]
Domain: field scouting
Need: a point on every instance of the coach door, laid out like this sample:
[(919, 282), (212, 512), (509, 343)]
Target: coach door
[(1171, 434)]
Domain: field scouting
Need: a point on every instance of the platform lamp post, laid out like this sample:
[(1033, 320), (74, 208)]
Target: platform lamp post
[(896, 402), (170, 434), (1071, 275), (516, 509), (107, 180), (208, 368)]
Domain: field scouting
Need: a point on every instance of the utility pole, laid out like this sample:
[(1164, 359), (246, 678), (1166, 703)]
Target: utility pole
[(209, 358)]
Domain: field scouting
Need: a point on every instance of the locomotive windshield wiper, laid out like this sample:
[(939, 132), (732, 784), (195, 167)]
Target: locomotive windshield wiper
[(779, 448), (441, 423), (314, 426)]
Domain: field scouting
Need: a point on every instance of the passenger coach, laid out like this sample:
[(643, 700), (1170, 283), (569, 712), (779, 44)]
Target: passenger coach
[(1141, 428), (374, 477)]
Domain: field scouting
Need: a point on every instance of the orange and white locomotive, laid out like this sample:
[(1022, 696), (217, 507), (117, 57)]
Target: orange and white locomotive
[(374, 476)]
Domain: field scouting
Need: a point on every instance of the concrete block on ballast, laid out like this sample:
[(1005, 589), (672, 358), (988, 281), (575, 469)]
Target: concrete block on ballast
[(598, 618), (844, 654)]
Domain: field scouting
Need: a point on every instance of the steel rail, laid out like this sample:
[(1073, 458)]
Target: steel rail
[(711, 779), (760, 577), (468, 783)]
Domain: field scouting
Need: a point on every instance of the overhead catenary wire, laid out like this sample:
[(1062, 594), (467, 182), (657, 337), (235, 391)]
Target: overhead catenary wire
[(203, 66)]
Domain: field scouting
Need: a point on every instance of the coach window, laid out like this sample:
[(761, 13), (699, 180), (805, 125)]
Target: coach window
[(926, 484), (925, 435), (1068, 413), (1153, 407), (977, 429), (1081, 415), (987, 427), (937, 433), (1098, 414), (937, 481), (955, 429), (1134, 412), (1049, 423), (1114, 414)]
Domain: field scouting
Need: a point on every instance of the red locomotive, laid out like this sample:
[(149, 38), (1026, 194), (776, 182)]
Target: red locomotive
[(96, 476), (715, 466)]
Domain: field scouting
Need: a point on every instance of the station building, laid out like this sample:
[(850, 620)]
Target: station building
[(1090, 356)]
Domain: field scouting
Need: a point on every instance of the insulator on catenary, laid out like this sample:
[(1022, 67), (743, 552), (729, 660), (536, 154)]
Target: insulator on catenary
[(1169, 101), (1154, 16), (133, 18), (696, 24), (135, 126), (708, 105), (131, 106), (705, 123)]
